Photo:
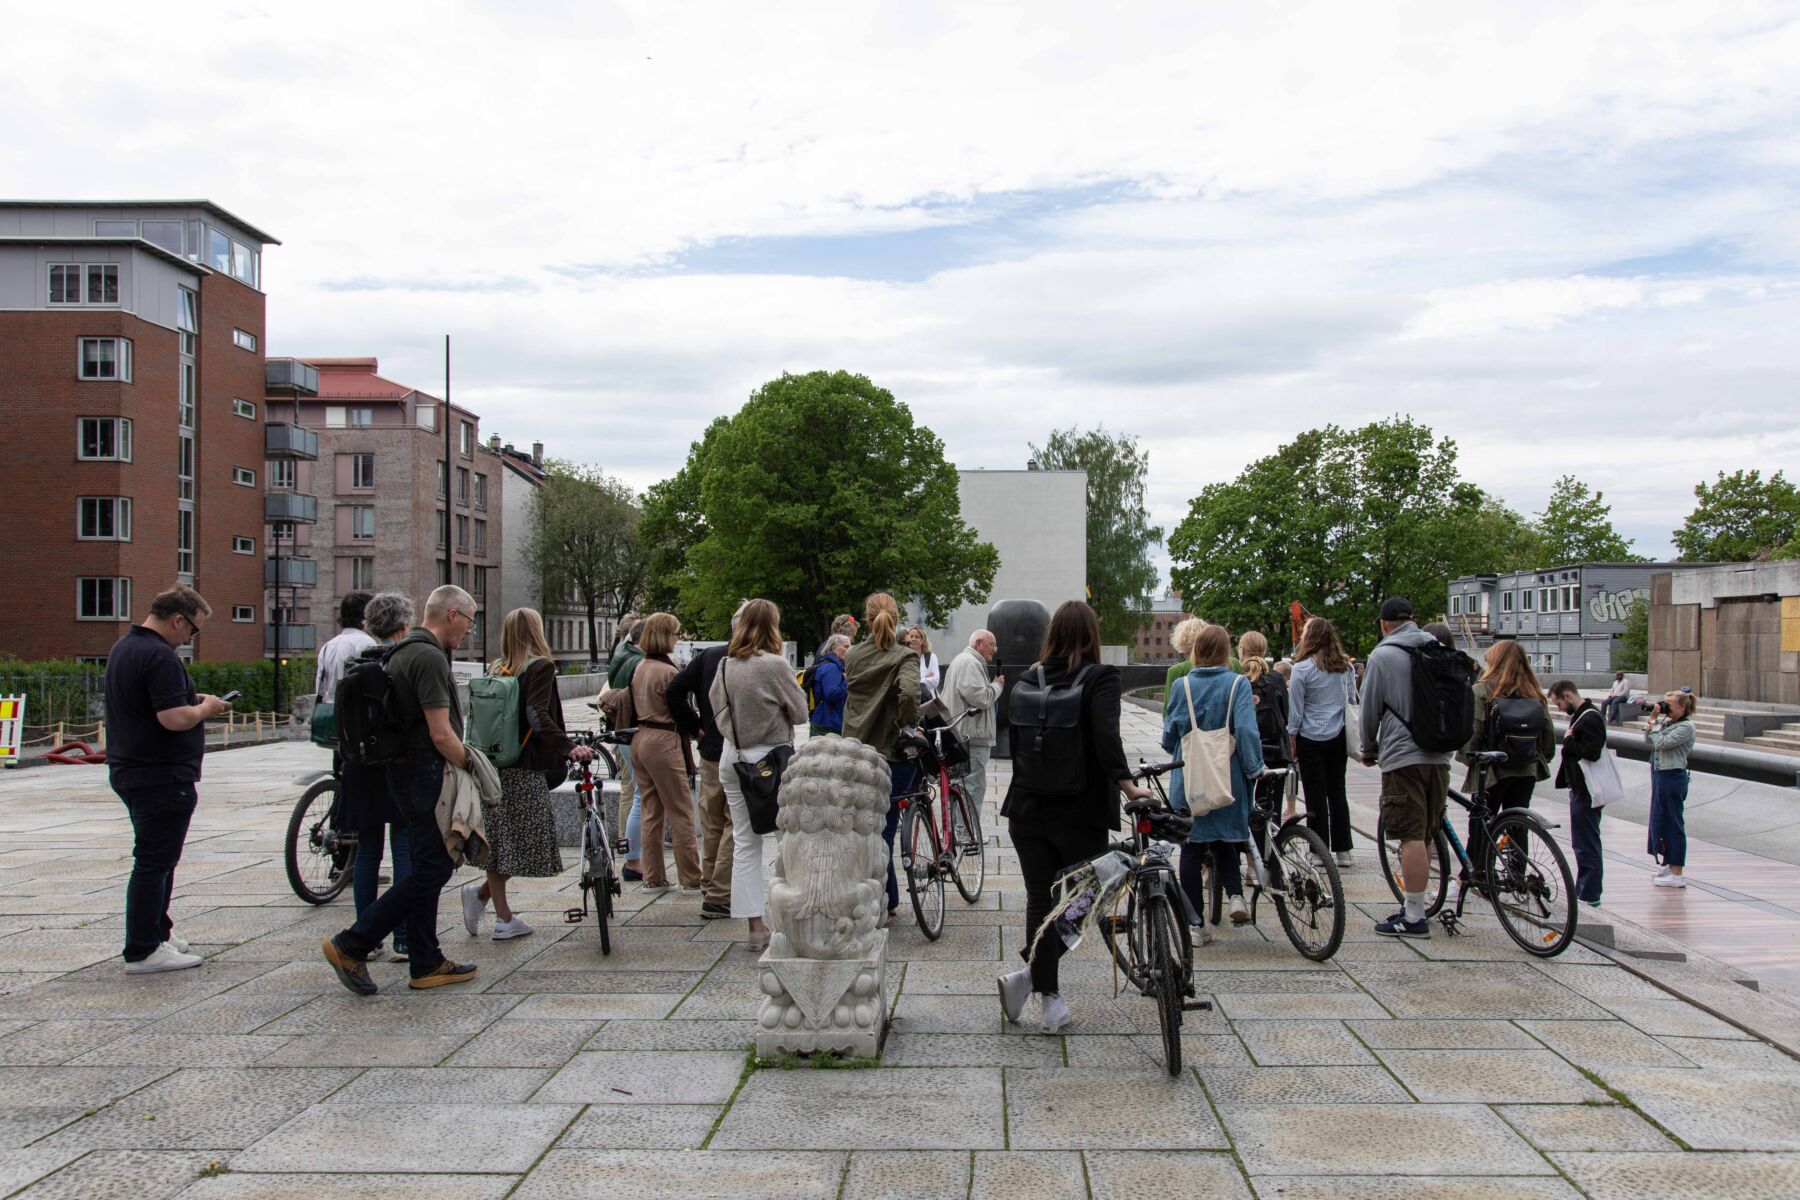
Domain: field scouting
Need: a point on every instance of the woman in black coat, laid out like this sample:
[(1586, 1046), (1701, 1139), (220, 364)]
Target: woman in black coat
[(1052, 831), (1584, 741)]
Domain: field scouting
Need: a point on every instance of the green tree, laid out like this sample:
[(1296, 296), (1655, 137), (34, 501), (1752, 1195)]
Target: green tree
[(1120, 575), (674, 522), (582, 538), (1741, 517), (1576, 526), (1339, 519), (1634, 640), (818, 491)]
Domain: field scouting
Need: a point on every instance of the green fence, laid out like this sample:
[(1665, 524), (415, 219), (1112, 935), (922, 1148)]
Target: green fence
[(62, 690)]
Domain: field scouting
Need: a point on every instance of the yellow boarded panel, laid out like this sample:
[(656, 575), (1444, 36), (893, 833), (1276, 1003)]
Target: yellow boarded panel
[(8, 709), (1790, 624)]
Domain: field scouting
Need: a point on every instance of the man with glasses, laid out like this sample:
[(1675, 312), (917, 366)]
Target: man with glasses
[(155, 738), (422, 697)]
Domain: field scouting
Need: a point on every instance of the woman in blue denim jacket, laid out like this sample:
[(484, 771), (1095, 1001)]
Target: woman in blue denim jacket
[(1671, 738), (1214, 688)]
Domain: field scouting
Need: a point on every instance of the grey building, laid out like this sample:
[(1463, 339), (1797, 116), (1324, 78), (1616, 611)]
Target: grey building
[(519, 476)]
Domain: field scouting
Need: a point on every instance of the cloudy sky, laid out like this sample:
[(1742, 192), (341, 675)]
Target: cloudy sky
[(1565, 234)]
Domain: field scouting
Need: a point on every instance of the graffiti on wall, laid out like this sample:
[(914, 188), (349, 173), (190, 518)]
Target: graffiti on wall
[(1615, 606)]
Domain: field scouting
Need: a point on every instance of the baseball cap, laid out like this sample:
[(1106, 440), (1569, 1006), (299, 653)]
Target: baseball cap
[(1396, 608)]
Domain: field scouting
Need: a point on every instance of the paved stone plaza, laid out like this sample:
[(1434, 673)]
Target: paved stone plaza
[(562, 1073)]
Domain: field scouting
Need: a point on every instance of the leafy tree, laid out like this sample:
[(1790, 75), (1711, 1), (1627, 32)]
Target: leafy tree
[(1576, 526), (582, 537), (1339, 519), (1634, 640), (1120, 575), (818, 491), (674, 522), (1742, 517)]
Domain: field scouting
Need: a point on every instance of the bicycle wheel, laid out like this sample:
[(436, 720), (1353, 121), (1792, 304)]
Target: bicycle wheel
[(1312, 911), (968, 865), (596, 870), (1439, 861), (924, 881), (1530, 886), (1165, 975), (605, 764), (318, 854)]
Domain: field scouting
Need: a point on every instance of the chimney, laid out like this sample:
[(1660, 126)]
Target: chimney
[(494, 443), (1031, 464), (537, 454)]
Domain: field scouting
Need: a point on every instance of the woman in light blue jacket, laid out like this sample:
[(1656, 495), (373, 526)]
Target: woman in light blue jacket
[(1217, 694), (1671, 738)]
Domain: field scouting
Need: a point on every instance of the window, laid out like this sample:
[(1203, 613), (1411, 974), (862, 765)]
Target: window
[(243, 545), (104, 438), (443, 480), (105, 358), (115, 229), (89, 283), (468, 440), (187, 318), (443, 531), (184, 394), (1506, 602), (282, 531), (462, 576), (282, 473), (243, 408), (103, 519), (243, 263), (362, 522), (166, 234), (480, 592), (102, 599), (243, 614), (481, 537), (243, 476), (184, 541), (360, 418), (462, 483), (1527, 598), (184, 465), (362, 573), (481, 491), (462, 534), (1571, 598), (362, 470), (1455, 606), (218, 251), (243, 341)]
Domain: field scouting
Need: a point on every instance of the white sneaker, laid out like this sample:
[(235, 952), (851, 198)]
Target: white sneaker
[(374, 955), (1671, 880), (1240, 912), (473, 907), (176, 940), (1662, 871), (164, 958), (512, 929), (1015, 989), (1053, 1015), (1344, 861)]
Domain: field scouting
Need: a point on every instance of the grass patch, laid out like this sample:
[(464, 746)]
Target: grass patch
[(823, 1060), (1624, 1101), (215, 1167)]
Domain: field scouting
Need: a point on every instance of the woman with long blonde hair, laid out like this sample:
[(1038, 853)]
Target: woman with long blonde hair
[(521, 828), (1320, 689), (662, 760), (883, 698), (1511, 714)]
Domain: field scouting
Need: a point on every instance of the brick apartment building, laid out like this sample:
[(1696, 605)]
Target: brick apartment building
[(519, 475), (132, 375), (389, 513), (1165, 612)]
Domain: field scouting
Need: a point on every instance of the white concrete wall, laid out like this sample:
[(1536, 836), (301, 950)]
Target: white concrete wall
[(518, 584), (1037, 520)]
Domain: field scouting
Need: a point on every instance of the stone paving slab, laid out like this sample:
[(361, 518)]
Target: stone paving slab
[(907, 1174), (642, 1127), (925, 1109), (1379, 1139), (1096, 1108), (645, 1077), (1490, 1076), (124, 1175), (621, 1175), (1684, 1176), (1585, 1127), (237, 1186), (383, 1137)]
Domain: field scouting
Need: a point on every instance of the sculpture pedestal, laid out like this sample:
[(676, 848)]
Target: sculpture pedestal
[(819, 1004)]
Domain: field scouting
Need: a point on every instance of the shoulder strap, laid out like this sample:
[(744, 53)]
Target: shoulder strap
[(1188, 691), (729, 706)]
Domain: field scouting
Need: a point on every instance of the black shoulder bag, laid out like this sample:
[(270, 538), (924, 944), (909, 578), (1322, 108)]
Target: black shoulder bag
[(760, 781)]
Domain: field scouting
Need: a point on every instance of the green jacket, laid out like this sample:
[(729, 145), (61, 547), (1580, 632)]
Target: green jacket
[(883, 694), (1507, 770), (625, 658)]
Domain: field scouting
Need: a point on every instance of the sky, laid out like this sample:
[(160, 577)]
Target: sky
[(1566, 235)]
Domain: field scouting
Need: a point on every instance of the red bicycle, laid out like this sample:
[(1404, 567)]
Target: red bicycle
[(950, 847)]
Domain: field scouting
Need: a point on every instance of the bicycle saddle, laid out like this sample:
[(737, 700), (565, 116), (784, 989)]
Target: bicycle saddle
[(1492, 757)]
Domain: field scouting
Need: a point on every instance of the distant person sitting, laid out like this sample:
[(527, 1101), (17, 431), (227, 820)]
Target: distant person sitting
[(1617, 696)]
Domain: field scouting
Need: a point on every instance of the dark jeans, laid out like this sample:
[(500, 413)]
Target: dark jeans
[(1615, 708), (1584, 833), (1501, 794), (1322, 779), (412, 903), (1227, 860), (1044, 853), (1668, 817), (903, 778), (365, 879), (159, 825)]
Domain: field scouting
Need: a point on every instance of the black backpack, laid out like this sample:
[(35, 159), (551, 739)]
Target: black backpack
[(1048, 751), (1443, 699), (1515, 725), (369, 732), (1270, 692)]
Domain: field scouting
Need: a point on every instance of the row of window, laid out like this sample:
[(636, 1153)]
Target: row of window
[(222, 253), (84, 283), (465, 480), (1563, 598), (109, 358), (108, 439), (463, 525), (108, 598), (108, 519)]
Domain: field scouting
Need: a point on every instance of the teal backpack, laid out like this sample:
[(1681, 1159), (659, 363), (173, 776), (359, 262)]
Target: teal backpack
[(497, 725)]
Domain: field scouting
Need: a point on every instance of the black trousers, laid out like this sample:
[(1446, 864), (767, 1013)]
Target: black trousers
[(159, 826), (411, 902), (1044, 853), (1227, 860), (1584, 834), (1501, 794), (1322, 779)]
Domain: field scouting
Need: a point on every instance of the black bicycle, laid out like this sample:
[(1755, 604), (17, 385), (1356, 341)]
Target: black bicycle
[(1150, 939), (320, 853), (598, 879), (1523, 871)]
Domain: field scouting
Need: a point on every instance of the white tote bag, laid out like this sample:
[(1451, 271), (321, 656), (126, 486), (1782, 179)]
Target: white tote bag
[(1206, 756), (1352, 718), (1602, 778)]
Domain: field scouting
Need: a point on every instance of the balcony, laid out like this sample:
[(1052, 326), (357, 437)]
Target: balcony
[(281, 440), (290, 377), (294, 507), (294, 638), (290, 572)]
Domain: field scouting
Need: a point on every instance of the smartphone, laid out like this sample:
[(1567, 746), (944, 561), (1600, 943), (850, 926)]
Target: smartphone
[(232, 695)]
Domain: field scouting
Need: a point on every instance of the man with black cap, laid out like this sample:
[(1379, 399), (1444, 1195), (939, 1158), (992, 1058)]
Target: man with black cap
[(1415, 783)]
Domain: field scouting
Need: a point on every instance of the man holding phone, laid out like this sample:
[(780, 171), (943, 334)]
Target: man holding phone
[(155, 738)]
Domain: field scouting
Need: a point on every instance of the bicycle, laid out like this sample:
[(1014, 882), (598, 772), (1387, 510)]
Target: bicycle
[(1294, 867), (955, 847), (598, 879), (1523, 873), (319, 853), (1150, 940)]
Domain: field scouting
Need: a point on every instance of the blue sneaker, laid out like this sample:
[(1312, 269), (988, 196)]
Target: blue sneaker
[(1398, 926)]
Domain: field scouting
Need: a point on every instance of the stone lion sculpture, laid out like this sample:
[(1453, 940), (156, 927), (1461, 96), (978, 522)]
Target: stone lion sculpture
[(825, 900)]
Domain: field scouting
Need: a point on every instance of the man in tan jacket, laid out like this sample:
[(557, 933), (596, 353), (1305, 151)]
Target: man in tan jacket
[(966, 686)]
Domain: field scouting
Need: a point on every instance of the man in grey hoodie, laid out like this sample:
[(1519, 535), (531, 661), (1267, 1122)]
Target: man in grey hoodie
[(1415, 783)]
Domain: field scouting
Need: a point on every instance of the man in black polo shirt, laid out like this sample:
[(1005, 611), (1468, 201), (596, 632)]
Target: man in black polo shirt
[(422, 696), (155, 737)]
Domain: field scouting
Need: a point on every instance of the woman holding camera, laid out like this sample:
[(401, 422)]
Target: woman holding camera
[(1671, 738)]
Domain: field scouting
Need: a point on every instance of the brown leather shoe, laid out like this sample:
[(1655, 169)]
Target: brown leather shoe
[(350, 971), (447, 973)]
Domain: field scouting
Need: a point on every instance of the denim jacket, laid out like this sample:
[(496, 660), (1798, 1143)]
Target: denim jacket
[(1211, 686), (1670, 743)]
